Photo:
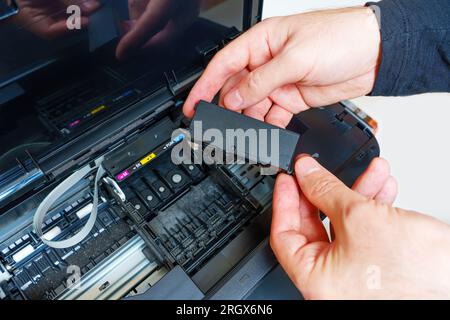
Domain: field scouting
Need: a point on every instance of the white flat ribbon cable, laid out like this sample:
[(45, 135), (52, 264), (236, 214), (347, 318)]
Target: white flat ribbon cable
[(59, 191)]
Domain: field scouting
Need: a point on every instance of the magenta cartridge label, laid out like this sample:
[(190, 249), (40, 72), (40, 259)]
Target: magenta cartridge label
[(122, 175)]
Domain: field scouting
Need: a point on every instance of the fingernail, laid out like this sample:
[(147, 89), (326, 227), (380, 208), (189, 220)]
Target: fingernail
[(233, 100), (306, 165)]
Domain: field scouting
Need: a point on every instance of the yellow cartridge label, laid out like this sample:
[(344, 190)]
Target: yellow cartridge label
[(98, 109), (148, 158)]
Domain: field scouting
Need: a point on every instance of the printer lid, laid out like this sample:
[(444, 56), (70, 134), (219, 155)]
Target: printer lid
[(67, 67), (36, 34)]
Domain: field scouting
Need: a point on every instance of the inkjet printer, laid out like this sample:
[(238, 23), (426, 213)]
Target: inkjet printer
[(91, 204)]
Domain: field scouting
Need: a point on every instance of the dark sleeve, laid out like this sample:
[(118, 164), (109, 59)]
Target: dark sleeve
[(415, 55)]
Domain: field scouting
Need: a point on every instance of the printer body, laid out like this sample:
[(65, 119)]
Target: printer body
[(168, 231)]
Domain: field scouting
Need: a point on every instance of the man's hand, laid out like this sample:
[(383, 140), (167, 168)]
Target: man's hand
[(47, 18), (378, 251), (284, 65), (155, 23)]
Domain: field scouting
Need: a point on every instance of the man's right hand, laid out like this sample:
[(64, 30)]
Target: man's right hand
[(378, 251), (285, 65)]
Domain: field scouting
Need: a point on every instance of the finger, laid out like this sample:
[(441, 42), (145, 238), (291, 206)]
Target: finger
[(50, 29), (297, 236), (153, 19), (294, 222), (312, 226), (136, 8), (289, 98), (181, 19), (86, 6), (293, 212), (163, 38), (262, 81), (55, 29), (278, 116), (372, 181), (259, 110), (89, 6), (127, 26), (324, 190), (286, 205), (388, 193), (231, 83), (232, 59)]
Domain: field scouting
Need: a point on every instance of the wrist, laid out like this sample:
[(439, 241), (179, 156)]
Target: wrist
[(373, 29)]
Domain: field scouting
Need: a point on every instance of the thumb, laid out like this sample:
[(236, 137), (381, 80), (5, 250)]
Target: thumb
[(324, 190), (261, 82), (297, 236)]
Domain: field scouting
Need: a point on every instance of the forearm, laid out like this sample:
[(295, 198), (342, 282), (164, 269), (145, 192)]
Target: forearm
[(415, 47)]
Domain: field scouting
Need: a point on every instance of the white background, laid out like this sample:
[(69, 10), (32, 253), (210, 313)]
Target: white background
[(413, 133)]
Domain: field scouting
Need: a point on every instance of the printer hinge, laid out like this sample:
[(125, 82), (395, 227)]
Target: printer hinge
[(175, 86), (206, 51), (231, 35)]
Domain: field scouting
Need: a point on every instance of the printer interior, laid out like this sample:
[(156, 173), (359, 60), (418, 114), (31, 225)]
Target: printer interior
[(182, 231)]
